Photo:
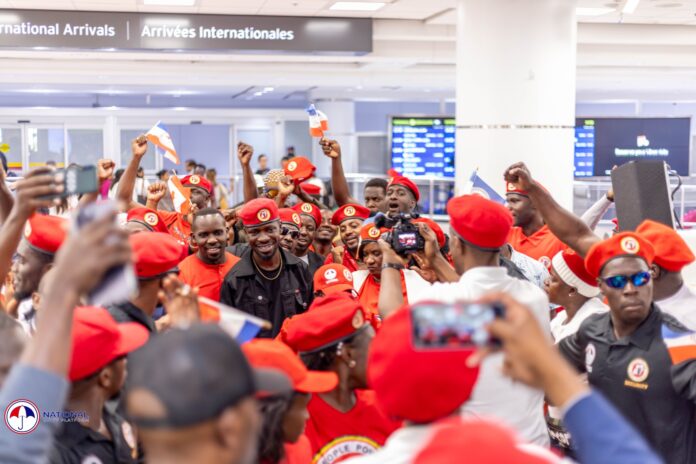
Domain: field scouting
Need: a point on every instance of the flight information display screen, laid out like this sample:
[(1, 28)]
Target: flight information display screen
[(423, 146), (601, 143)]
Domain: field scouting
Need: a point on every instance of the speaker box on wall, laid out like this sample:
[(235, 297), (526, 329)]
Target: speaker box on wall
[(641, 191)]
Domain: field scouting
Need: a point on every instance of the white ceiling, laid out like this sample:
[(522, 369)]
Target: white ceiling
[(431, 11)]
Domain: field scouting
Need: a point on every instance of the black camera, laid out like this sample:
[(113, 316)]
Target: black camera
[(404, 236)]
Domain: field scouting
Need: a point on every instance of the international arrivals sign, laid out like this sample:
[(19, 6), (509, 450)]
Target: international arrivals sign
[(83, 30)]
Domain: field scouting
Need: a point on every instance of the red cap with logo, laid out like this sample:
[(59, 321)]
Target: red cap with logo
[(511, 188), (98, 340), (329, 320), (407, 183), (300, 169), (195, 180), (310, 189), (349, 211), (289, 216), (277, 355), (309, 209), (419, 385), (370, 233), (618, 246), (479, 221), (435, 227), (570, 267), (671, 251), (258, 212), (155, 254), (46, 233), (333, 278), (147, 217)]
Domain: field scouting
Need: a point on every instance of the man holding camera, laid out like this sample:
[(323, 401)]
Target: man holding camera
[(479, 229)]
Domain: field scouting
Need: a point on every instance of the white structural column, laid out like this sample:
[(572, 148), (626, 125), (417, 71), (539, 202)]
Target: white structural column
[(516, 91), (341, 115)]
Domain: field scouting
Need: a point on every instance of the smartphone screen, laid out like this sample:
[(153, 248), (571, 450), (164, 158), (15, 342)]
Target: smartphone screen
[(457, 325)]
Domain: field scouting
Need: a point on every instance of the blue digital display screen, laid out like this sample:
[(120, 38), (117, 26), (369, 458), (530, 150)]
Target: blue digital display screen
[(423, 146)]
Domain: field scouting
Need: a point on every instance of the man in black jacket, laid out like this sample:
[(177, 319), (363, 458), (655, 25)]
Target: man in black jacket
[(267, 282)]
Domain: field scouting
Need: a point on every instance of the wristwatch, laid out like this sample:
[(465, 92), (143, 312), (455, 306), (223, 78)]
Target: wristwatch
[(397, 266)]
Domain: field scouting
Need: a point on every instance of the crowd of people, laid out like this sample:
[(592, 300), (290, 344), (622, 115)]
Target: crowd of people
[(514, 335)]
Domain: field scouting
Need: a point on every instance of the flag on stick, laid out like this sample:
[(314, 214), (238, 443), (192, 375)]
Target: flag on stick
[(181, 196), (240, 325), (480, 187), (159, 137), (318, 122)]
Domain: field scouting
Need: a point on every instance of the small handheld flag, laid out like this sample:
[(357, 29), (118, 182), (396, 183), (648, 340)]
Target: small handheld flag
[(159, 137), (240, 325), (480, 187), (318, 122), (181, 196)]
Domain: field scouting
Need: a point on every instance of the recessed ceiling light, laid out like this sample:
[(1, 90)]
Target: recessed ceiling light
[(268, 89), (170, 2), (593, 11), (630, 6), (357, 6), (258, 94)]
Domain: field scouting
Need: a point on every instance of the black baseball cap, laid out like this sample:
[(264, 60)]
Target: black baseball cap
[(196, 373)]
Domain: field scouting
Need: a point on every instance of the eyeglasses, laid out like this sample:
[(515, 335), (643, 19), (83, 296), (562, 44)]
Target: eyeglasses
[(292, 233), (620, 281)]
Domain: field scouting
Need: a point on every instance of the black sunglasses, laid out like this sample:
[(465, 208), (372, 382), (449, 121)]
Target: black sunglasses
[(292, 233), (620, 281)]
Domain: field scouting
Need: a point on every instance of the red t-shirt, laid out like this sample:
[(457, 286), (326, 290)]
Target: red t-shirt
[(542, 245), (177, 225), (299, 452), (348, 261), (336, 437), (368, 295), (208, 278)]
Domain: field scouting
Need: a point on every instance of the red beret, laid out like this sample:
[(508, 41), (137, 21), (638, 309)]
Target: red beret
[(299, 168), (155, 254), (310, 189), (570, 267), (416, 384), (329, 320), (406, 182), (98, 340), (258, 212), (349, 211), (439, 233), (617, 246), (194, 180), (333, 278), (149, 218), (671, 251), (46, 233), (290, 216), (510, 188), (370, 233), (480, 222), (309, 209)]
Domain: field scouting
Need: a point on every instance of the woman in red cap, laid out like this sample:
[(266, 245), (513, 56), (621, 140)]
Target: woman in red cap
[(367, 282), (284, 417), (334, 336), (349, 219)]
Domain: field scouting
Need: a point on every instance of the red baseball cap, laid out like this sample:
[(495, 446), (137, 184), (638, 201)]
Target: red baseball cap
[(482, 442), (289, 216), (309, 209), (273, 354), (258, 212), (46, 233), (419, 385), (349, 211), (333, 278), (671, 251), (98, 340), (407, 183), (147, 217), (300, 169), (310, 189), (155, 254), (439, 233), (194, 180), (479, 221), (329, 320), (618, 246)]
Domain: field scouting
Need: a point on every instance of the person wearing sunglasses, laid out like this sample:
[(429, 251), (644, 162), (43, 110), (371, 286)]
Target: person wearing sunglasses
[(289, 229), (637, 356)]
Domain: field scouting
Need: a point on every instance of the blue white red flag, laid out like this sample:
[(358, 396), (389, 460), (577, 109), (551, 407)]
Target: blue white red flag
[(318, 122), (159, 137), (480, 187), (240, 325)]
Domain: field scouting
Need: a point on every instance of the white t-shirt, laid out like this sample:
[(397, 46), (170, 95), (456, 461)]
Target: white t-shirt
[(559, 328), (495, 395), (681, 305)]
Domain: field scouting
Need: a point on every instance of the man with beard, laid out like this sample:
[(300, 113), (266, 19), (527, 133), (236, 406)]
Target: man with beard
[(326, 232), (310, 215), (207, 268), (268, 282), (289, 229)]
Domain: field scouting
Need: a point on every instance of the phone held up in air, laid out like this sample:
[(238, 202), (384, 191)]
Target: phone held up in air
[(120, 282), (78, 180), (460, 325)]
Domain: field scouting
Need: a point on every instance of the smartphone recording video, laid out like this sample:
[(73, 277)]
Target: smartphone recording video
[(78, 180)]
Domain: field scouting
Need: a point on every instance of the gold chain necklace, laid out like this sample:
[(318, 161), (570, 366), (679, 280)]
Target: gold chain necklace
[(260, 271)]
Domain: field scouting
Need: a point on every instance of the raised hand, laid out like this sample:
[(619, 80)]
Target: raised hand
[(244, 153), (518, 174), (180, 301), (105, 170), (331, 148), (139, 146), (38, 189), (156, 191)]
